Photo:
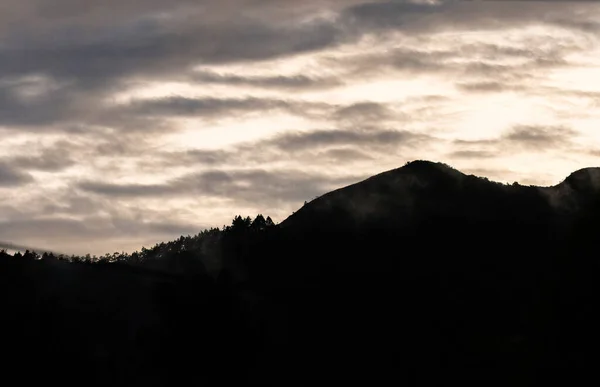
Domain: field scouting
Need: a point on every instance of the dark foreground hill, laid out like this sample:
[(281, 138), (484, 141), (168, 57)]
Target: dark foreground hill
[(421, 275)]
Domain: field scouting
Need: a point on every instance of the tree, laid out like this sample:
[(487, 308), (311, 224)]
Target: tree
[(31, 255), (259, 223), (240, 223), (269, 222)]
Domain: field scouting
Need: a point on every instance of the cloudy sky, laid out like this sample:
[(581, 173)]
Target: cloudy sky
[(128, 122)]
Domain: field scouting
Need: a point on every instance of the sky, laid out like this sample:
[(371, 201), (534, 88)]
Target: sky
[(125, 122)]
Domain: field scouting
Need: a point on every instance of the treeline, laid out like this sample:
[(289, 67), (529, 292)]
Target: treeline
[(204, 245)]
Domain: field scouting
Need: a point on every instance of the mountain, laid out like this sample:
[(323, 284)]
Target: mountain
[(420, 275), (393, 195), (452, 273), (422, 188)]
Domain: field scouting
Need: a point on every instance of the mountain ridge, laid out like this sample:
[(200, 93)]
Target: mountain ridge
[(420, 271), (401, 188)]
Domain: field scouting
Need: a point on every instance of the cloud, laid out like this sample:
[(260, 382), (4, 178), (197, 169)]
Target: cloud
[(127, 190), (162, 41), (418, 18), (77, 63), (70, 221), (154, 46), (293, 82), (96, 47), (365, 112), (87, 235), (206, 157), (12, 177), (519, 138), (292, 142), (489, 87), (388, 14), (204, 107), (315, 147), (539, 137), (346, 155), (50, 160), (254, 186), (262, 186), (476, 66), (472, 154)]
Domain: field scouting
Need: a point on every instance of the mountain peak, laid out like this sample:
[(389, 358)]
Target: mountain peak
[(586, 179), (421, 169), (425, 167), (426, 164), (390, 194)]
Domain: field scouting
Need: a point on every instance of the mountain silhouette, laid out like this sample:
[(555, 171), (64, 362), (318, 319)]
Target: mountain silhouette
[(389, 195), (420, 275)]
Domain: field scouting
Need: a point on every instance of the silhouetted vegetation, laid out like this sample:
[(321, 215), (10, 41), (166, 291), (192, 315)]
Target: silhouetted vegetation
[(420, 275)]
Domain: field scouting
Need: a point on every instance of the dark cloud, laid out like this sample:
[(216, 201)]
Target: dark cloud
[(490, 87), (346, 155), (207, 107), (145, 43), (90, 115), (294, 82), (50, 160), (156, 47), (208, 157), (361, 142), (12, 177), (522, 138), (470, 63), (148, 43), (378, 138), (487, 141), (416, 18), (369, 112), (538, 137), (39, 101), (403, 59), (259, 186), (472, 154), (255, 186), (73, 204), (127, 190), (388, 14)]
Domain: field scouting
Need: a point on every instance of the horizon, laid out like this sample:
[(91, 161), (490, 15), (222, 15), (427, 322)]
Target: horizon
[(128, 123), (12, 248)]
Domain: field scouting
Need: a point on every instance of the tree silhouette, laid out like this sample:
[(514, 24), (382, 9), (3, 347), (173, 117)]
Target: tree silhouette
[(259, 223)]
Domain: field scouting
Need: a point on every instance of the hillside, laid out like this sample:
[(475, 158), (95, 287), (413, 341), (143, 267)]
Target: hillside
[(418, 275)]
